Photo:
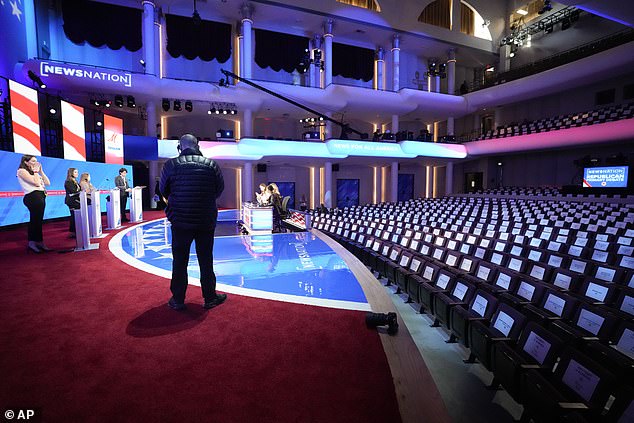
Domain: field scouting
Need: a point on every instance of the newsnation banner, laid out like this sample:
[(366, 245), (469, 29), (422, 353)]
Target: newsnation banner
[(113, 139)]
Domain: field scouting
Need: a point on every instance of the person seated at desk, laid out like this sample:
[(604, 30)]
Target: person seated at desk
[(86, 186), (263, 196)]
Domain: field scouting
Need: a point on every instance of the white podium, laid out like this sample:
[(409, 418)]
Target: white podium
[(82, 225), (94, 215), (136, 205), (113, 209)]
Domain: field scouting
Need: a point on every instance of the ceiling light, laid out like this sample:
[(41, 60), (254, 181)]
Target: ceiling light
[(131, 102), (118, 100), (189, 106), (166, 105), (177, 106), (522, 12)]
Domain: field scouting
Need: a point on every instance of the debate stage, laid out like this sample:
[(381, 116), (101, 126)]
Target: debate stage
[(293, 267)]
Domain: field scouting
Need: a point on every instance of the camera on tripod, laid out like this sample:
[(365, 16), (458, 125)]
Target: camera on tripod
[(373, 320)]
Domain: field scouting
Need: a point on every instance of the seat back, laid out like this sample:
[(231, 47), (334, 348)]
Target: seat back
[(542, 346)]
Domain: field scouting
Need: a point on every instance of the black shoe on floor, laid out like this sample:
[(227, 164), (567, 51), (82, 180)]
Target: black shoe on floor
[(176, 306), (218, 299)]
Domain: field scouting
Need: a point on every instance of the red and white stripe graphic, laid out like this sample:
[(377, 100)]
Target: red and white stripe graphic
[(74, 132), (26, 119)]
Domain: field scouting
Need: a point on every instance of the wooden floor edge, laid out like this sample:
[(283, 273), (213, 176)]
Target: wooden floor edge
[(418, 397)]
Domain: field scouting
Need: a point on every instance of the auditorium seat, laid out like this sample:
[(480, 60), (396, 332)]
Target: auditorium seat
[(578, 384), (460, 295), (480, 308)]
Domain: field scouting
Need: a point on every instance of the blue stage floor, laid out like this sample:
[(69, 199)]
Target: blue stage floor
[(294, 267)]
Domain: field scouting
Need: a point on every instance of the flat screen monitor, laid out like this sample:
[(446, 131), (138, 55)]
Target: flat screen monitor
[(605, 177)]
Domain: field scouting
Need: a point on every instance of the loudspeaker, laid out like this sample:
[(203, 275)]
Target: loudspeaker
[(261, 167), (335, 167)]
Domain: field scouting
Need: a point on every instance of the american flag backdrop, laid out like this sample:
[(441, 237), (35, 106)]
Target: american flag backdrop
[(13, 47), (74, 132), (26, 119)]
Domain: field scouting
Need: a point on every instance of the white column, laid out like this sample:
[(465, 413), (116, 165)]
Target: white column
[(497, 117), (247, 182), (153, 168), (437, 84), (328, 36), (451, 72), (450, 125), (239, 31), (150, 109), (396, 63), (449, 179), (246, 128), (312, 80), (329, 132), (328, 184), (429, 181), (455, 15), (394, 124), (147, 31), (247, 49), (380, 69), (394, 182)]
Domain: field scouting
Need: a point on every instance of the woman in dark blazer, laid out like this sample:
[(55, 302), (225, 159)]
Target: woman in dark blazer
[(72, 196)]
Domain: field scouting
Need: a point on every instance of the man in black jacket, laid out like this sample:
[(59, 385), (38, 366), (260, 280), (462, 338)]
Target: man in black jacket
[(190, 184)]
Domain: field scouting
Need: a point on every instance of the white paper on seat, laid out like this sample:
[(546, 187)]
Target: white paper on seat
[(503, 323), (516, 250), (578, 266), (451, 260), (596, 291), (466, 265), (555, 261), (414, 265), (386, 250), (480, 305), (627, 262), (504, 281), (555, 304), (590, 321), (625, 250), (537, 347), (394, 255), (580, 380), (537, 272), (535, 255), (600, 256), (428, 273), (606, 274), (437, 253), (460, 290), (628, 305), (443, 281), (483, 273), (496, 258), (626, 343), (414, 245), (526, 290)]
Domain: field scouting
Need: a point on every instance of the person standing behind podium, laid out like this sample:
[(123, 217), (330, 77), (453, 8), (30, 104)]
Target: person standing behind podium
[(86, 186), (191, 183), (72, 196), (121, 182), (33, 181)]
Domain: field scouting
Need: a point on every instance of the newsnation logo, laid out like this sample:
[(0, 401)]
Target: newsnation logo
[(48, 69)]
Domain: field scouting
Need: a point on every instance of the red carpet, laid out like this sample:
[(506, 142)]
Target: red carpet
[(87, 338)]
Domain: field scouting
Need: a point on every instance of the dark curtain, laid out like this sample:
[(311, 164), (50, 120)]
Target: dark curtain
[(102, 24), (352, 62), (279, 51), (208, 40)]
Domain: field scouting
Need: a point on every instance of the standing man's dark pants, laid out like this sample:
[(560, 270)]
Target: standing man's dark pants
[(123, 203), (181, 245), (36, 203)]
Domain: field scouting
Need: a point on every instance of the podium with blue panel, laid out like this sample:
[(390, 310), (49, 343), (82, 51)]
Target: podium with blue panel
[(257, 220)]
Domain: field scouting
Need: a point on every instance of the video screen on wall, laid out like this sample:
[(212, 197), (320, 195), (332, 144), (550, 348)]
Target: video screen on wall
[(12, 209), (605, 177), (347, 193), (74, 131)]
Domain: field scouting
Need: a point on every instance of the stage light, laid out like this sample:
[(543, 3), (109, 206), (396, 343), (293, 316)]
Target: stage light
[(218, 111), (189, 106), (234, 112), (142, 62), (301, 121), (522, 12), (131, 102), (209, 111), (36, 79), (52, 111), (99, 123), (107, 103), (224, 112), (166, 105), (118, 100), (177, 106), (321, 118)]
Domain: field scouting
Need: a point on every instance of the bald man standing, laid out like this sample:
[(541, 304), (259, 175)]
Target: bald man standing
[(191, 184)]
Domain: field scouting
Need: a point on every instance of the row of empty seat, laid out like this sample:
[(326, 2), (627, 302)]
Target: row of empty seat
[(608, 114), (541, 292)]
